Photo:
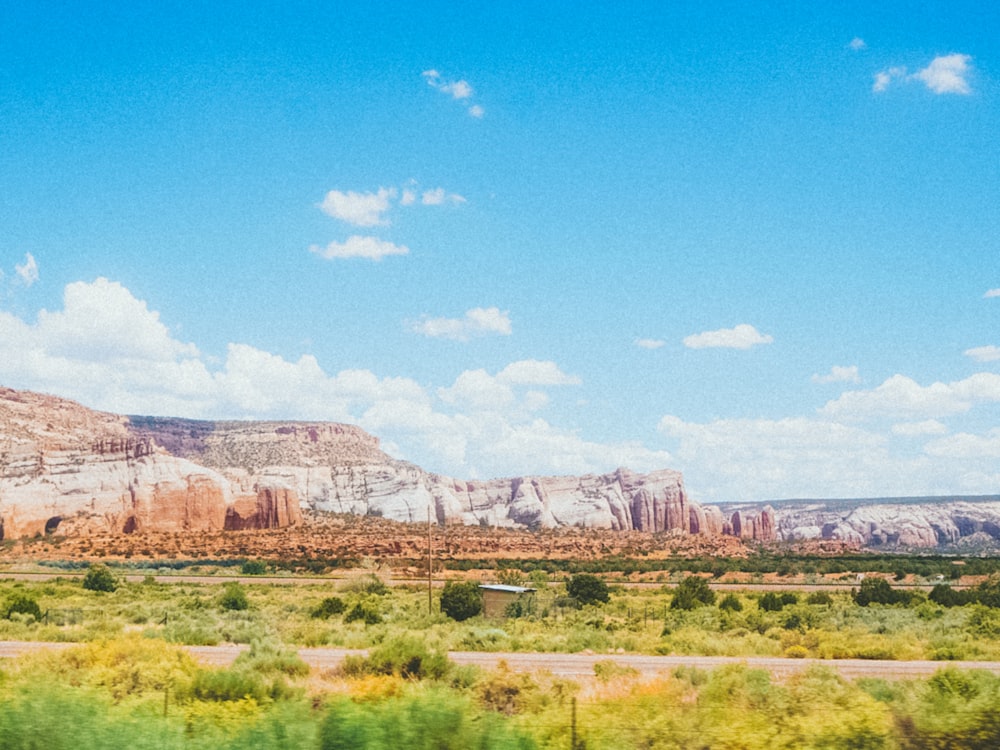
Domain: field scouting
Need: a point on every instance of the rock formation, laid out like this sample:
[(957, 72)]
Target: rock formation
[(66, 467), (893, 523)]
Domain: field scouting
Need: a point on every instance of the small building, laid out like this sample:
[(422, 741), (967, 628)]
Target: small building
[(497, 597)]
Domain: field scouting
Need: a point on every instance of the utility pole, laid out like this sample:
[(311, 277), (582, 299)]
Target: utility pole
[(572, 726), (430, 563)]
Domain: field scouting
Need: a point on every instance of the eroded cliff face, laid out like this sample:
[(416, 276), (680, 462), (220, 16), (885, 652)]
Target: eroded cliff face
[(67, 467), (893, 524)]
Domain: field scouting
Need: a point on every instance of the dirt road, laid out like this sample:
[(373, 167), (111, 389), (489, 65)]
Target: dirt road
[(580, 665)]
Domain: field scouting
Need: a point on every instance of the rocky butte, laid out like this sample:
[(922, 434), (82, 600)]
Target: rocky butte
[(66, 467)]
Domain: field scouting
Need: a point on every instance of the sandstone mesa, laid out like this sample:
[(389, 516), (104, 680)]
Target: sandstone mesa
[(64, 466)]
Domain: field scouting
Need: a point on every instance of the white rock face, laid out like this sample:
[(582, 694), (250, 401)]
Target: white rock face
[(891, 524), (64, 466)]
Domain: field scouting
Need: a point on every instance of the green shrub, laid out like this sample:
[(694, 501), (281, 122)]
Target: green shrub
[(365, 612), (253, 568), (691, 593), (22, 604), (878, 591), (99, 578), (773, 602), (731, 603), (461, 600), (407, 657), (332, 605), (234, 598), (819, 598), (588, 589), (431, 721)]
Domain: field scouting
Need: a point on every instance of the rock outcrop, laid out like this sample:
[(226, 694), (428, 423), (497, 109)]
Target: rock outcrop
[(66, 467), (890, 524)]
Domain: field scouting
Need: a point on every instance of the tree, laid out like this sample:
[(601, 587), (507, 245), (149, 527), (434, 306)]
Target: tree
[(99, 578), (588, 589), (234, 597), (22, 604), (878, 591), (461, 600), (692, 592)]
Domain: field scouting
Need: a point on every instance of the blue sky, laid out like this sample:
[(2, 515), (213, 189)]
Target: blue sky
[(760, 245)]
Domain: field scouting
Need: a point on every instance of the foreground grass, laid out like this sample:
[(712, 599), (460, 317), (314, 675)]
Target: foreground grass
[(136, 693), (368, 612)]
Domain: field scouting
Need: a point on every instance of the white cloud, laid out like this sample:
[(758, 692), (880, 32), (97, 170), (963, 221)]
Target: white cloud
[(27, 271), (438, 196), (919, 429), (964, 446), (902, 397), (838, 374), (885, 77), (357, 246), (109, 351), (358, 209), (743, 336), (991, 293), (479, 321), (479, 390), (460, 90), (857, 43), (989, 353), (946, 74), (650, 343), (535, 372)]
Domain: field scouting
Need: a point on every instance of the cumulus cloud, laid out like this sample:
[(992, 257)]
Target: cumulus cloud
[(838, 374), (650, 343), (743, 336), (991, 293), (946, 74), (857, 43), (479, 321), (919, 429), (108, 350), (459, 90), (902, 397), (358, 209), (963, 446), (27, 272), (439, 196), (358, 246), (989, 353), (535, 372), (885, 77)]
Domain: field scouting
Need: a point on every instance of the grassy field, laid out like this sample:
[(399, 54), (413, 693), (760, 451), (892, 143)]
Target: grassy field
[(130, 684)]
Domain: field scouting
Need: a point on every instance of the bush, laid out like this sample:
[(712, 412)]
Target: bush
[(366, 612), (772, 602), (234, 598), (878, 591), (588, 589), (253, 568), (24, 605), (407, 657), (691, 593), (731, 603), (99, 578), (820, 598), (461, 600), (332, 605)]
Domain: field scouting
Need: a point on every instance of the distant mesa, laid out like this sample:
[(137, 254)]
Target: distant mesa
[(68, 469)]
